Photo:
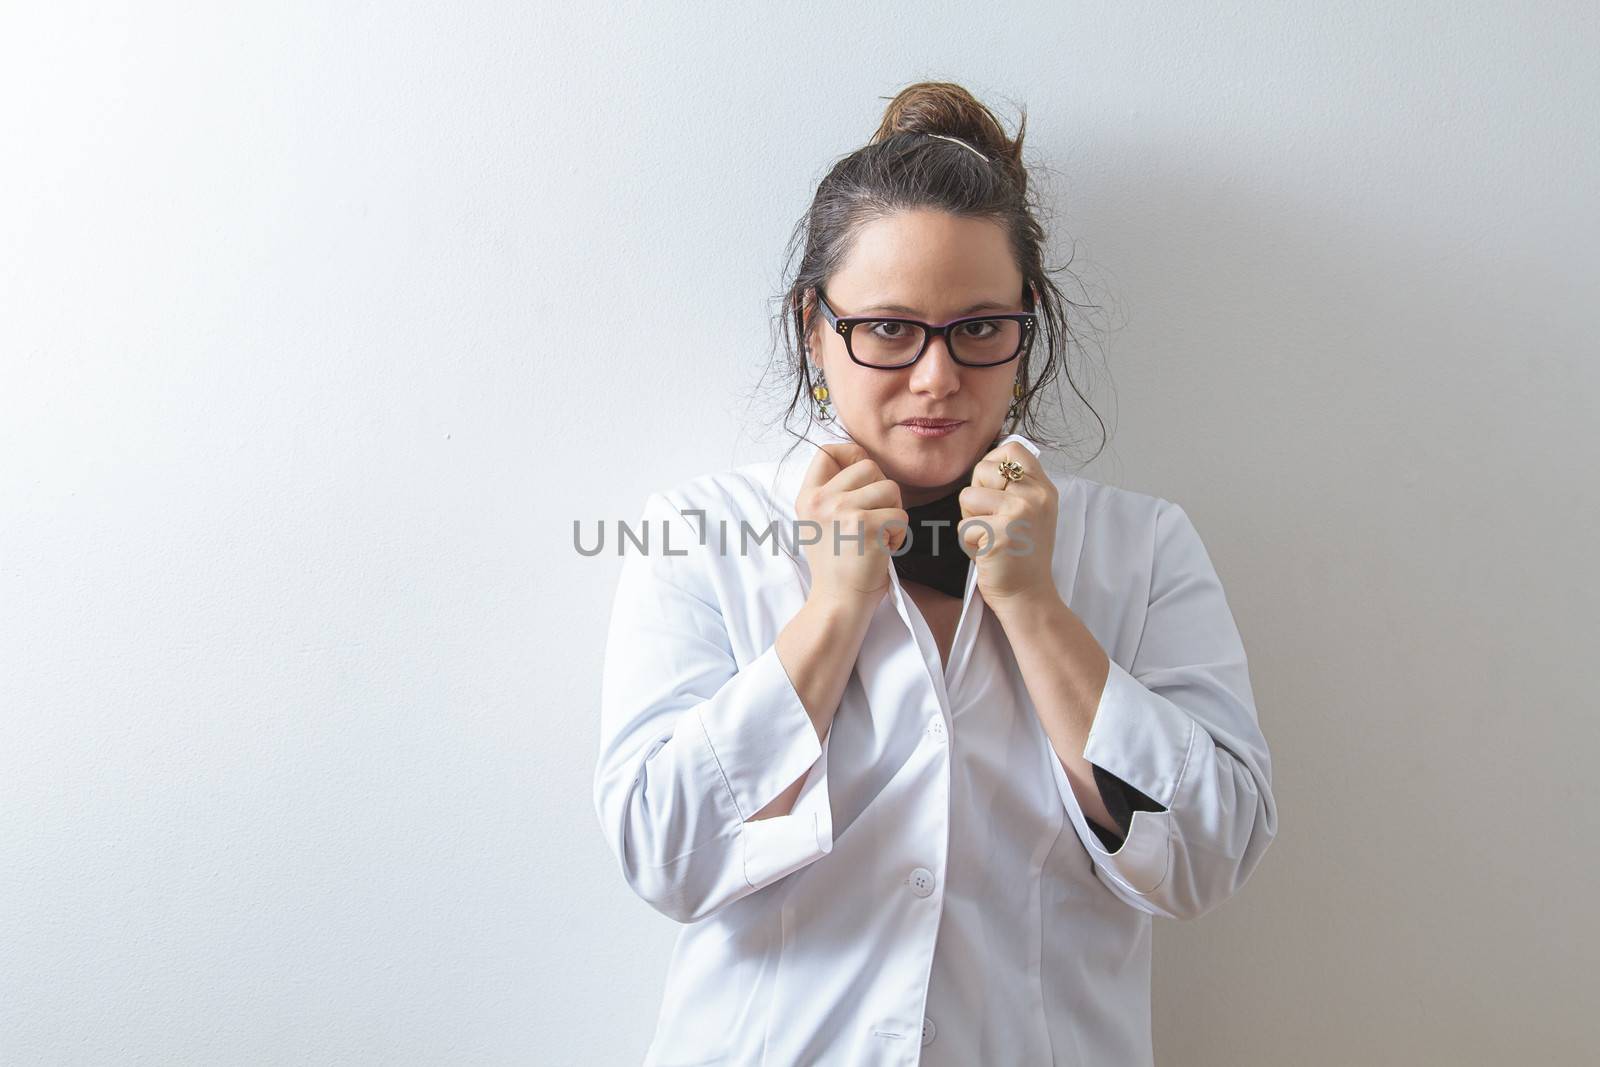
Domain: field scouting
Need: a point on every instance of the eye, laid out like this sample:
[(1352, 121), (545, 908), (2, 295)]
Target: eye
[(979, 330), (890, 331)]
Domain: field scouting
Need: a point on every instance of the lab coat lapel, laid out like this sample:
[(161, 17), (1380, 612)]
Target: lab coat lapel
[(890, 665)]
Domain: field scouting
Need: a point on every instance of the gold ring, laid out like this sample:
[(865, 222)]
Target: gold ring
[(1011, 470)]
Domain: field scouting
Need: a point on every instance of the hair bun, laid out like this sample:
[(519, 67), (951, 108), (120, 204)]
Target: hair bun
[(948, 109)]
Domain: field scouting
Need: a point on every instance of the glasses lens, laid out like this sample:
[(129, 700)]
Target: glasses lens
[(986, 340), (886, 344)]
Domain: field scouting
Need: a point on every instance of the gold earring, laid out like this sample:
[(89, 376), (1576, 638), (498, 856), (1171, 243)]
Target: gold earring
[(1016, 402), (819, 393)]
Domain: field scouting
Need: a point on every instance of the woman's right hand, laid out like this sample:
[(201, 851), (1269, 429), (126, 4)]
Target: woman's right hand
[(843, 486)]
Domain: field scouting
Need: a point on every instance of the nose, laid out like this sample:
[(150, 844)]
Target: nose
[(936, 374)]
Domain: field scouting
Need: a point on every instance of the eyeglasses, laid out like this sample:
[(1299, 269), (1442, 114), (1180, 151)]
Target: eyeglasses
[(892, 343)]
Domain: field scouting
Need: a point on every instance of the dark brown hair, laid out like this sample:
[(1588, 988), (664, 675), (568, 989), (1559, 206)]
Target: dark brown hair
[(901, 168)]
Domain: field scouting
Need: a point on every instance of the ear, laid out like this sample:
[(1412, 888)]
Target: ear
[(808, 332)]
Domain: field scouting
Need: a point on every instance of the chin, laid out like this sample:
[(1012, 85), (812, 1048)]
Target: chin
[(933, 462)]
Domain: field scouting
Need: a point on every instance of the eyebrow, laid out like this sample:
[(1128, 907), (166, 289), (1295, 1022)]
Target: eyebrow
[(901, 309)]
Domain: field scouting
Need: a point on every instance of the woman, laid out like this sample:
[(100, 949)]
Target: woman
[(913, 801)]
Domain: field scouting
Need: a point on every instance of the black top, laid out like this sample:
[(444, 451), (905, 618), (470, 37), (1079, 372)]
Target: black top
[(934, 557), (933, 554)]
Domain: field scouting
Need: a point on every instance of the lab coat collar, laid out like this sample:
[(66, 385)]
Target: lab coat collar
[(786, 486)]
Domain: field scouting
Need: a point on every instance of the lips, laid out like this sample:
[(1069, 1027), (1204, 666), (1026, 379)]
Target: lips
[(931, 427)]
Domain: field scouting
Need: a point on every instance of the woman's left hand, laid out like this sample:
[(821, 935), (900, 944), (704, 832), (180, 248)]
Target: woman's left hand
[(1014, 553)]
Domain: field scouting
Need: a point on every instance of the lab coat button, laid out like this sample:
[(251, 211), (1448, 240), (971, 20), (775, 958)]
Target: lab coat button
[(928, 1030), (921, 881), (936, 727)]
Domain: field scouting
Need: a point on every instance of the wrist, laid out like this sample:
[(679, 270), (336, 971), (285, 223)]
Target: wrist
[(835, 610), (1030, 608)]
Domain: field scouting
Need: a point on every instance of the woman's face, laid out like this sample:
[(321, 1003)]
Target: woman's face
[(936, 267)]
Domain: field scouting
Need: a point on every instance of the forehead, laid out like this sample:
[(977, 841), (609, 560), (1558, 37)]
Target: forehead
[(930, 261)]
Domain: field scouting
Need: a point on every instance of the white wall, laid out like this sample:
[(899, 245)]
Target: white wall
[(299, 669)]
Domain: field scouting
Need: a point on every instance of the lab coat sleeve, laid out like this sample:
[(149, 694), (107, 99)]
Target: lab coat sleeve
[(1180, 726), (692, 743)]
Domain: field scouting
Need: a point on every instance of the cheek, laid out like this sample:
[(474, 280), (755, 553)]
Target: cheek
[(997, 393), (862, 387)]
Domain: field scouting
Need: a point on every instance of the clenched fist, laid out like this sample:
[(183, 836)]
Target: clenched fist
[(845, 491), (1014, 545)]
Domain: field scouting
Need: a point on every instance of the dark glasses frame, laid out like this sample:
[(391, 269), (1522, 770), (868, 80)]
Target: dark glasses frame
[(844, 325)]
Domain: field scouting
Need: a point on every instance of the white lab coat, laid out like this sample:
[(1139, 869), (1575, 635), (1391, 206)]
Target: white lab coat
[(935, 896)]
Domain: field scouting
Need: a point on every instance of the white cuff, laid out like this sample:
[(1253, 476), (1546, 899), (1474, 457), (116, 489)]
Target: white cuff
[(759, 733), (1140, 737), (783, 844), (1146, 740)]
